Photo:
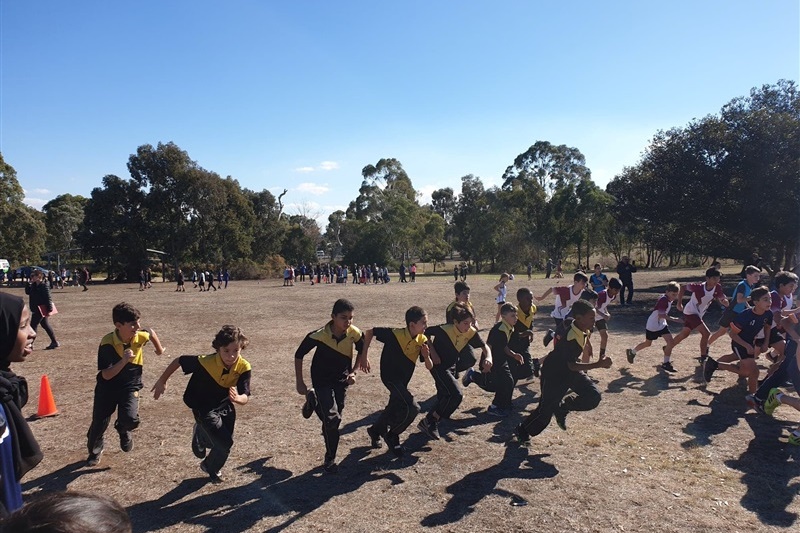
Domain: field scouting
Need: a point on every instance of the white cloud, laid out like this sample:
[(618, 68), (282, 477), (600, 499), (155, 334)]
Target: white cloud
[(425, 193), (304, 170), (41, 191), (328, 165), (36, 203), (313, 188)]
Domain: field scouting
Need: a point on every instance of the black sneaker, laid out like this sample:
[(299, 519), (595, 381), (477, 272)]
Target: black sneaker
[(561, 418), (393, 442), (126, 441), (548, 337), (708, 369), (630, 353), (702, 359), (537, 367), (429, 427), (198, 449), (667, 367), (374, 437), (94, 458), (310, 405), (521, 437), (330, 467), (214, 476)]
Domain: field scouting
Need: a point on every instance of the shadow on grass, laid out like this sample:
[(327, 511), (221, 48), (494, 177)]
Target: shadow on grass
[(60, 479), (275, 493), (652, 386), (768, 467), (470, 490), (726, 407)]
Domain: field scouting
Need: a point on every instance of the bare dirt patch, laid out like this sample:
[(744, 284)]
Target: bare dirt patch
[(660, 453)]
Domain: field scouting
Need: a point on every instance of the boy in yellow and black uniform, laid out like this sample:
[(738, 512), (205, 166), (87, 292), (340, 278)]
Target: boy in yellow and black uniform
[(561, 373), (402, 347), (520, 341), (119, 379), (450, 341), (331, 373), (499, 379), (219, 380)]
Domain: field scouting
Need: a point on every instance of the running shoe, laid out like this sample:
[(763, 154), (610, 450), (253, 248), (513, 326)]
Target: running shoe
[(772, 402)]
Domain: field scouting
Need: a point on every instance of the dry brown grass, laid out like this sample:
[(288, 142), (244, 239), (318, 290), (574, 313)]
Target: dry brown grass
[(659, 454)]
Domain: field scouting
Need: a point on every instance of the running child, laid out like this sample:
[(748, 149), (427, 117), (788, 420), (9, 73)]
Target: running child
[(604, 297), (219, 380), (462, 291), (499, 379), (119, 379), (331, 373), (453, 344), (700, 297), (501, 294), (657, 325), (402, 347), (522, 337), (565, 297), (782, 306), (769, 397), (562, 373), (741, 293), (745, 328), (598, 280)]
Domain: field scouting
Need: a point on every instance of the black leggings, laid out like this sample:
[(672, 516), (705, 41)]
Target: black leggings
[(37, 319)]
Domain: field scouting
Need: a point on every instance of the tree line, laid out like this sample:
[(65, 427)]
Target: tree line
[(722, 186)]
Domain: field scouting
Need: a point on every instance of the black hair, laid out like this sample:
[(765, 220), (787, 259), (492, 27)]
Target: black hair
[(785, 278), (588, 295), (69, 512), (713, 273), (614, 283), (524, 291), (582, 307), (229, 334), (342, 305), (508, 308), (414, 314), (758, 293), (124, 312), (460, 286)]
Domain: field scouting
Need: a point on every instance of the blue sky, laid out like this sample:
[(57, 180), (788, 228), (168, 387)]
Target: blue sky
[(303, 94)]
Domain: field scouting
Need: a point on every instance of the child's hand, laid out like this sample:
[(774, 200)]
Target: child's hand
[(128, 354), (486, 367), (605, 362), (425, 350), (679, 307), (351, 378), (233, 395), (161, 352), (158, 389), (518, 357), (362, 363)]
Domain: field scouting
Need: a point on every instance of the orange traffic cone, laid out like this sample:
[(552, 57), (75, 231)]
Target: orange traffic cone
[(47, 405)]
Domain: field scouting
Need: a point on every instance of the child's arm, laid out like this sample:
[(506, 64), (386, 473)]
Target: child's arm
[(235, 397), (547, 293), (434, 356), (156, 342), (738, 340), (511, 353), (486, 358), (425, 352), (299, 382), (605, 362), (679, 299), (362, 361), (111, 372), (161, 384)]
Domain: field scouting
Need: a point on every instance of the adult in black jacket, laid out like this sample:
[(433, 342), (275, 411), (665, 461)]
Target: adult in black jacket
[(41, 305), (625, 270)]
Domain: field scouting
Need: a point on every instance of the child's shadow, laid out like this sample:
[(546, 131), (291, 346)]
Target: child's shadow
[(59, 480), (725, 409), (472, 488)]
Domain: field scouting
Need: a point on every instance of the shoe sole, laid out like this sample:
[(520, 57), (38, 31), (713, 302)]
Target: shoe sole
[(311, 404)]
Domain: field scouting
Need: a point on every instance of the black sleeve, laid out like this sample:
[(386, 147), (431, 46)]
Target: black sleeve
[(476, 341), (382, 334), (189, 363), (433, 331), (106, 357), (306, 346), (243, 384)]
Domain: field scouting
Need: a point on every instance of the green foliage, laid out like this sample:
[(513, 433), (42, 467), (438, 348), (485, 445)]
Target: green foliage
[(63, 218), (22, 229)]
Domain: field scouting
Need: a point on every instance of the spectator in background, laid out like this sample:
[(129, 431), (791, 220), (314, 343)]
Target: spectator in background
[(41, 305), (625, 270)]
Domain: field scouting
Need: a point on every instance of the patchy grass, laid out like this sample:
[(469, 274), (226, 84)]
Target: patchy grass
[(660, 453)]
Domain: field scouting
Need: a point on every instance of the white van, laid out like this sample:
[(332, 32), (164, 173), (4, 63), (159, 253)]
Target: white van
[(4, 266)]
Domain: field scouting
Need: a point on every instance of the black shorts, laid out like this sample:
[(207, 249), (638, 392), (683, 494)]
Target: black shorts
[(601, 325), (653, 335), (741, 352)]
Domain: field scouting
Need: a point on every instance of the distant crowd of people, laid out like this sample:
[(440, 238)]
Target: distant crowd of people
[(327, 273)]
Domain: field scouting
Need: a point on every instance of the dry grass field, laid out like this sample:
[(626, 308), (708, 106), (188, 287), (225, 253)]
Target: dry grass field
[(660, 453)]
